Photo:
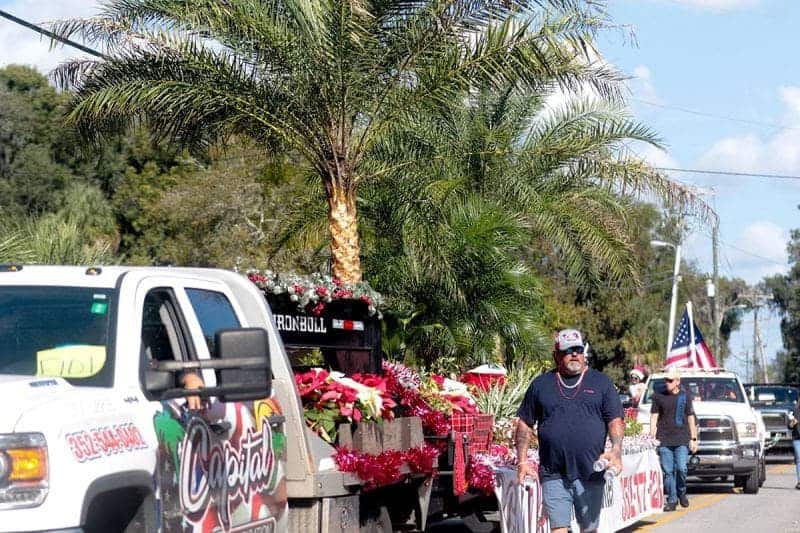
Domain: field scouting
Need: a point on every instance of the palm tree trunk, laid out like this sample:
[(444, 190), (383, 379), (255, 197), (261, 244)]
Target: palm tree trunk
[(343, 224)]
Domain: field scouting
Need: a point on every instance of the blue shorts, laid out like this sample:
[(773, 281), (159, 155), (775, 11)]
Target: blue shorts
[(560, 496)]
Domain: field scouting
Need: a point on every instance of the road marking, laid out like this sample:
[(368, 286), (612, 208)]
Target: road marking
[(780, 469), (698, 501)]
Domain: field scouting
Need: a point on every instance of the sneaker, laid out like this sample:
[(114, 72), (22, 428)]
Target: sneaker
[(669, 507), (797, 486), (684, 500)]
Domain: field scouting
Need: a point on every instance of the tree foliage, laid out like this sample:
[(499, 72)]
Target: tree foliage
[(785, 290), (325, 79)]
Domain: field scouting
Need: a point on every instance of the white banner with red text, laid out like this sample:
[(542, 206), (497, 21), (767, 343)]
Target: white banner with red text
[(629, 497)]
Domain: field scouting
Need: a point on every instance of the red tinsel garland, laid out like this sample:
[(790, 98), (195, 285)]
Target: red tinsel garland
[(384, 468), (480, 476)]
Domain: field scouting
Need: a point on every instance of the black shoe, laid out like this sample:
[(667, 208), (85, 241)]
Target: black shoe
[(797, 486), (669, 507), (684, 501)]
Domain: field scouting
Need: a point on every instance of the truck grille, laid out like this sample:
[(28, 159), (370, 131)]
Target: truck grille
[(775, 421), (714, 429)]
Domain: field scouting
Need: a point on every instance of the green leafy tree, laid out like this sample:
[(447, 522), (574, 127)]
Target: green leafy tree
[(324, 79), (224, 213), (785, 290), (626, 324)]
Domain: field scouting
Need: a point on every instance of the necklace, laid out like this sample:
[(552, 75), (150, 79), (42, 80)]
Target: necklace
[(562, 386)]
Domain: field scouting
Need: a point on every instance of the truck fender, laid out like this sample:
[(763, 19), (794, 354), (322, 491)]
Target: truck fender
[(132, 479)]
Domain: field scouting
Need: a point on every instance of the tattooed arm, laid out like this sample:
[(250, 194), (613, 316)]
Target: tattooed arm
[(522, 440), (616, 432)]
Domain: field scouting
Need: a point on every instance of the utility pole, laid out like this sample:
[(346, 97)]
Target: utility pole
[(716, 319), (756, 344), (758, 300)]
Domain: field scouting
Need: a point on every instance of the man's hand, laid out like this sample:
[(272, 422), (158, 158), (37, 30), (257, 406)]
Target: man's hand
[(693, 446), (524, 470), (614, 458), (192, 381)]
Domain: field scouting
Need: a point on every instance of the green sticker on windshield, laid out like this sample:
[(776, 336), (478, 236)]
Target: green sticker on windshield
[(99, 308)]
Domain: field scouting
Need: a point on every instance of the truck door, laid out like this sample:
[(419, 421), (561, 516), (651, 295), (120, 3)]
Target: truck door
[(220, 468)]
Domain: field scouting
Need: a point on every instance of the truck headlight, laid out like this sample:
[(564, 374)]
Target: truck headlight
[(746, 430), (24, 473)]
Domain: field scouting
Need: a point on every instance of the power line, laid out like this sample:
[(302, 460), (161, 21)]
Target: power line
[(48, 33), (731, 173), (713, 115), (729, 245)]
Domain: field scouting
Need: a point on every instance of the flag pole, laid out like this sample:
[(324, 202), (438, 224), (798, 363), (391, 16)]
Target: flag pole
[(692, 345)]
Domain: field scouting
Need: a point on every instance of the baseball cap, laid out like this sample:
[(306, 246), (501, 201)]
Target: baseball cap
[(673, 373), (568, 338)]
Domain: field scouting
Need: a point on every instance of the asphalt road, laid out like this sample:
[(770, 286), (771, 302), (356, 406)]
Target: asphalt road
[(717, 508)]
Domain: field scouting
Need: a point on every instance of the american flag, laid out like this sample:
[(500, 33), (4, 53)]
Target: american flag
[(680, 354)]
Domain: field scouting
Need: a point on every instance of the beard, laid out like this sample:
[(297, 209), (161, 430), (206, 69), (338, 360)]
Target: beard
[(572, 368)]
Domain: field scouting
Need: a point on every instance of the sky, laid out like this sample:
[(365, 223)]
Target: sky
[(718, 80)]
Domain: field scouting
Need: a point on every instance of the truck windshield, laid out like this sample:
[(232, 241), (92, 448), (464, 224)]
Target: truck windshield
[(701, 389), (770, 395), (57, 332)]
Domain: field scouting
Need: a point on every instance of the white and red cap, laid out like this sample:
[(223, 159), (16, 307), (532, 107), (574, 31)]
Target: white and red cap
[(568, 338)]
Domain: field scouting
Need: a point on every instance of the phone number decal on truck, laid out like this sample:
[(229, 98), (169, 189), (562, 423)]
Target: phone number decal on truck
[(87, 445)]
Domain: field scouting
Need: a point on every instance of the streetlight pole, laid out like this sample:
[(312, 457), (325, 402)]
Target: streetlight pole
[(675, 278)]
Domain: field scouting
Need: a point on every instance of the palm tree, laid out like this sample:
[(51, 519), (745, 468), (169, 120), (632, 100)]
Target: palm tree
[(325, 79), (50, 240), (565, 170)]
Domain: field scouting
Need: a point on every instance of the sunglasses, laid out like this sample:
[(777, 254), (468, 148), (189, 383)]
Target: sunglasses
[(573, 350), (669, 380)]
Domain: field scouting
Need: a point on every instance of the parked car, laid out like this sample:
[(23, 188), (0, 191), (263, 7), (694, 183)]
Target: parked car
[(775, 402)]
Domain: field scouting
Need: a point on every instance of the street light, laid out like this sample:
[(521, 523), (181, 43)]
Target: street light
[(675, 276)]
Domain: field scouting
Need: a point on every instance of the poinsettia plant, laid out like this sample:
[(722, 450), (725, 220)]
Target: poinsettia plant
[(313, 292), (432, 397), (330, 399)]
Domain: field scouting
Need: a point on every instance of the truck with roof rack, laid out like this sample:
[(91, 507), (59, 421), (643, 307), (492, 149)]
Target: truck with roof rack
[(731, 435)]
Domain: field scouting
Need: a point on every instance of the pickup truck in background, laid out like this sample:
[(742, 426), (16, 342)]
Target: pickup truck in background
[(731, 434), (95, 433), (775, 402)]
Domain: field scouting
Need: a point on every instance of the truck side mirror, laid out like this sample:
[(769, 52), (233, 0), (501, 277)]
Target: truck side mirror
[(251, 380), (156, 381)]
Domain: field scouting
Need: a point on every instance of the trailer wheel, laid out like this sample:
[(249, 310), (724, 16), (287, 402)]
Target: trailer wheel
[(476, 522), (375, 520)]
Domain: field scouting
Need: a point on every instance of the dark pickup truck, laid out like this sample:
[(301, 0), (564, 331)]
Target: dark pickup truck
[(775, 401)]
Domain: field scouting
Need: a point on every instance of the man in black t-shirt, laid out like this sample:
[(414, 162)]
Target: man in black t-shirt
[(673, 423), (574, 407)]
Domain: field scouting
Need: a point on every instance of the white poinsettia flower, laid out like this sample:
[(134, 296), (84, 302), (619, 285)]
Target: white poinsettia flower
[(451, 386), (369, 397)]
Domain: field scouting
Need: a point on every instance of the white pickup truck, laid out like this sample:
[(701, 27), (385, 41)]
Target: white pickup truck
[(731, 434), (95, 433)]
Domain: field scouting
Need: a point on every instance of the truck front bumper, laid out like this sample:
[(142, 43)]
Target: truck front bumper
[(724, 459), (779, 439)]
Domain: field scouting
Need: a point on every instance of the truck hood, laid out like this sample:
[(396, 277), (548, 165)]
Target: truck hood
[(740, 412), (26, 394)]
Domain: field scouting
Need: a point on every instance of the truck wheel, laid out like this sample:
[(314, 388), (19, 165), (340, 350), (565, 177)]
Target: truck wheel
[(751, 484), (376, 520)]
